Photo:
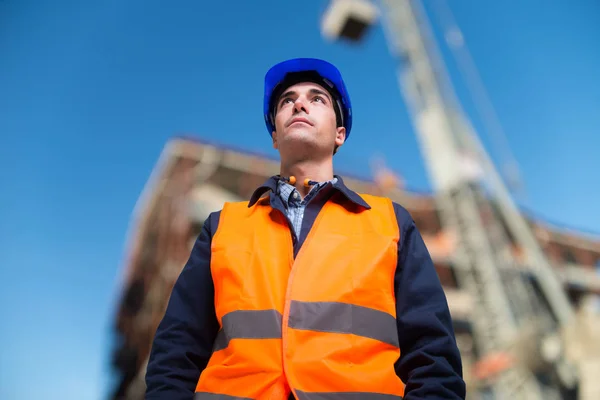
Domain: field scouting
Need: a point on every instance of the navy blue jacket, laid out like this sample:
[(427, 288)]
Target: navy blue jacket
[(429, 364)]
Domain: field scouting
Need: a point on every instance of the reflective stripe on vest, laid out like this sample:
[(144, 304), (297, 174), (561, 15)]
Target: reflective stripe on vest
[(322, 325), (307, 396)]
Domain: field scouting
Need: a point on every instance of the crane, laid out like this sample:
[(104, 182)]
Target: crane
[(521, 308)]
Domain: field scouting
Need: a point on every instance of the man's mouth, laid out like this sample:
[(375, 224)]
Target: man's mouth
[(299, 120)]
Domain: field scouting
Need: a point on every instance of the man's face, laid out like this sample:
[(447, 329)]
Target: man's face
[(305, 121)]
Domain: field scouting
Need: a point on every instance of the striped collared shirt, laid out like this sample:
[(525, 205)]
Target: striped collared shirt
[(294, 204)]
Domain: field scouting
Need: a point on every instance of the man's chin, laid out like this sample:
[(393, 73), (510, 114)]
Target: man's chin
[(300, 129), (301, 147), (298, 138)]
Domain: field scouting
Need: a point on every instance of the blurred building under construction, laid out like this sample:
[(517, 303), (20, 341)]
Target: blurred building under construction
[(523, 293), (193, 179)]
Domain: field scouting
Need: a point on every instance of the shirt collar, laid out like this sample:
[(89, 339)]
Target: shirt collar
[(272, 182), (286, 191)]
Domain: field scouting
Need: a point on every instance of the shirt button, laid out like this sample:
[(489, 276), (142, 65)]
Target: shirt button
[(296, 195)]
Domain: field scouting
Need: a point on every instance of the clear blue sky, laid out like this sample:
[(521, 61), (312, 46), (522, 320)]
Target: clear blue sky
[(90, 91)]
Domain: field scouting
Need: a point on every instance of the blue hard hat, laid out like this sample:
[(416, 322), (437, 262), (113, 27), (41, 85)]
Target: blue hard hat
[(323, 73)]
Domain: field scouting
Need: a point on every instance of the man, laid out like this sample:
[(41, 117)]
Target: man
[(309, 290)]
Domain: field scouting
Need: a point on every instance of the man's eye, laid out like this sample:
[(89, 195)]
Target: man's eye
[(286, 100), (319, 98)]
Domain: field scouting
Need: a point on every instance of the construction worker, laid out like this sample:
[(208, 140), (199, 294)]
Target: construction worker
[(308, 290)]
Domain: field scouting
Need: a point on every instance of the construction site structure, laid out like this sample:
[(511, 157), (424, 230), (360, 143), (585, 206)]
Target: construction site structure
[(193, 178), (521, 314)]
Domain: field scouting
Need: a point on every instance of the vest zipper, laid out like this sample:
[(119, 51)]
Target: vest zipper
[(286, 309)]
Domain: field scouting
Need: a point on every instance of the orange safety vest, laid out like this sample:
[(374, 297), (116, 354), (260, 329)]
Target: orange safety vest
[(322, 325)]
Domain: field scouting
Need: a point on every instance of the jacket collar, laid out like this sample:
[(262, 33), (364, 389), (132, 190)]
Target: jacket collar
[(271, 184)]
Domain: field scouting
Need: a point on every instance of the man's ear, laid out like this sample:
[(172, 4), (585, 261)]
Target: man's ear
[(274, 136), (340, 136)]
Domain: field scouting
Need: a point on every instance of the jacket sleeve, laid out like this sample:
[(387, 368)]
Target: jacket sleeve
[(184, 338), (430, 364)]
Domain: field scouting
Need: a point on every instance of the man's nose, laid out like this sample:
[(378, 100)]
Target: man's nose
[(300, 105)]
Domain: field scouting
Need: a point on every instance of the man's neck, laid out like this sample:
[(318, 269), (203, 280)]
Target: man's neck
[(315, 171)]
